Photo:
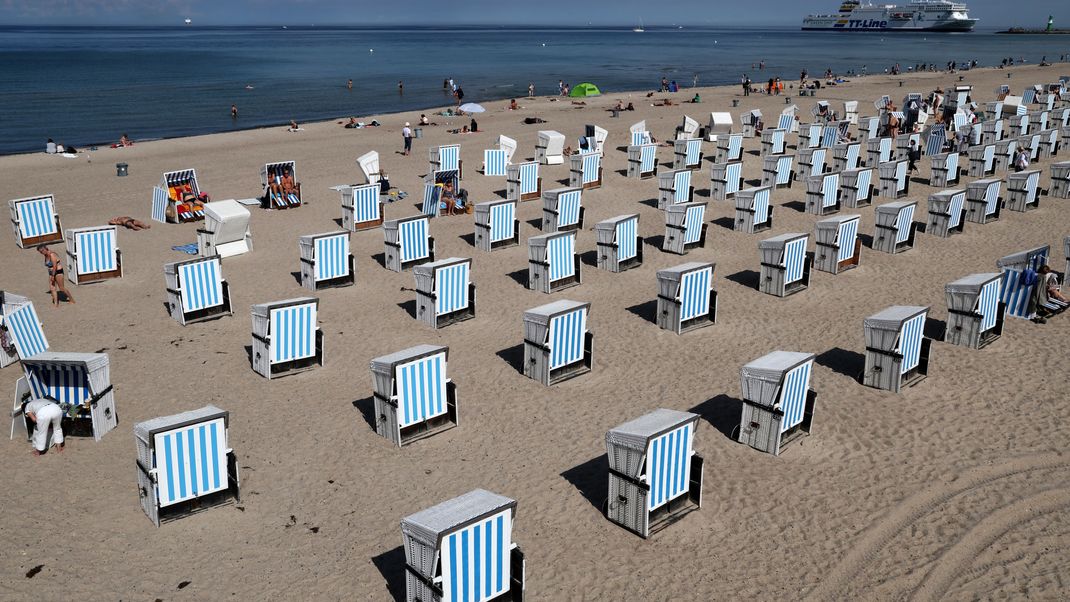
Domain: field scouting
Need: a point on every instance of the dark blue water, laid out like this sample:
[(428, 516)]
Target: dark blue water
[(84, 86)]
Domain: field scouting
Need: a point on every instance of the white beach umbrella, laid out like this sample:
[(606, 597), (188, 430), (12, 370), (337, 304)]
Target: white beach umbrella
[(471, 107)]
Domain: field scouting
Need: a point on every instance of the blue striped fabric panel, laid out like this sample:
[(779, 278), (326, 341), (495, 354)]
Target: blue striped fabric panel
[(910, 337), (813, 135), (830, 135), (529, 178), (761, 207), (565, 338), (793, 395), (293, 333), (191, 461), (902, 223), (951, 164), (732, 175), (830, 185), (475, 560), (901, 176), (694, 151), (845, 238), (885, 150), (785, 122), (988, 305), (693, 224), (695, 293), (681, 186), (783, 170), (735, 147), (502, 221), (366, 203), (648, 158), (794, 260), (627, 235), (560, 252), (412, 235), (937, 138), (568, 208), (852, 155), (37, 217), (25, 330), (331, 257), (668, 466), (591, 163), (421, 389), (451, 288), (449, 157), (640, 138), (1016, 294), (1031, 183), (68, 385), (992, 197), (817, 167), (431, 196), (494, 163), (864, 182), (955, 207), (159, 204), (96, 251), (201, 283)]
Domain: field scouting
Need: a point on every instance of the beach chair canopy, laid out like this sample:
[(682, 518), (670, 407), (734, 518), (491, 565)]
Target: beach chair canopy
[(584, 90), (429, 526), (369, 164), (553, 141), (884, 327), (636, 434), (762, 381), (508, 145)]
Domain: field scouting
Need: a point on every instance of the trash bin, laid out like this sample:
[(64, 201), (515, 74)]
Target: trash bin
[(121, 170), (418, 133)]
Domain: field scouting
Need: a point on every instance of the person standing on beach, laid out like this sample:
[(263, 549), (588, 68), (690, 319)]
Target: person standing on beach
[(745, 82), (406, 135), (55, 275), (560, 87), (531, 89), (913, 156), (45, 414)]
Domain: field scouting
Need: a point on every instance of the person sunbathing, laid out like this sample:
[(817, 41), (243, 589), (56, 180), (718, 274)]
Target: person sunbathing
[(124, 140), (128, 222), (274, 183), (352, 124), (288, 185)]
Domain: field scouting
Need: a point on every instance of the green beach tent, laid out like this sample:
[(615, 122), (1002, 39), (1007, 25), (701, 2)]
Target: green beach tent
[(584, 90)]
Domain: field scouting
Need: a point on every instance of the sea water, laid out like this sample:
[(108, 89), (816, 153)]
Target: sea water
[(86, 86)]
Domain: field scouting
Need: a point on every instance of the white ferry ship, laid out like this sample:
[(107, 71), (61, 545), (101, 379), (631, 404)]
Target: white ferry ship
[(917, 15)]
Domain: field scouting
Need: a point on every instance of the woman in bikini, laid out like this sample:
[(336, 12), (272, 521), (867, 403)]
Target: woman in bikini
[(55, 275)]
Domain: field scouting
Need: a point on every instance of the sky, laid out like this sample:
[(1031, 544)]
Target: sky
[(994, 13)]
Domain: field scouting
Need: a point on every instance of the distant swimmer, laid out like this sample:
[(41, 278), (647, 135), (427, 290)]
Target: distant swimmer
[(234, 111)]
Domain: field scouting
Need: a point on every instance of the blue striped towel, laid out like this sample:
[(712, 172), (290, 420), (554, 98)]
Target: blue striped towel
[(190, 249)]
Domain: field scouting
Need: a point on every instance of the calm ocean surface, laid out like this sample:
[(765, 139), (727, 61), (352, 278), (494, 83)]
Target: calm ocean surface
[(85, 86)]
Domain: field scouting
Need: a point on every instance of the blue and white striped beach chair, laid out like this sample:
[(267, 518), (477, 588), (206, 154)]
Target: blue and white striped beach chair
[(1029, 96), (585, 170), (754, 211), (639, 134), (655, 476), (982, 161), (991, 131), (553, 264), (846, 155), (286, 337), (894, 179), (185, 463), (496, 225), (272, 173), (856, 187), (523, 182), (686, 299), (869, 128), (879, 150), (462, 550), (1020, 280), (785, 264), (1060, 180), (945, 169), (935, 139), (562, 209), (729, 148), (895, 226), (1038, 121), (687, 153), (685, 227), (1023, 190), (93, 254), (777, 171), (35, 221), (9, 302), (810, 162), (445, 293), (80, 383), (414, 398), (159, 204), (823, 194), (778, 403), (726, 179), (494, 162), (897, 350), (837, 244), (1005, 152), (1061, 118), (326, 261), (974, 310), (983, 203), (642, 161), (619, 245), (408, 242), (432, 205), (947, 213), (362, 207), (1017, 125), (172, 183), (674, 186), (23, 326), (557, 343), (774, 141), (830, 135), (445, 158), (809, 135), (788, 121), (1049, 143), (1031, 144), (196, 290)]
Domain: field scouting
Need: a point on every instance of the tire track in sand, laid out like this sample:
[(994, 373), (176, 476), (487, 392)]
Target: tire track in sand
[(912, 509), (960, 556)]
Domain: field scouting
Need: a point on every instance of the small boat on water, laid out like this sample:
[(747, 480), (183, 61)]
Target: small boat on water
[(639, 29)]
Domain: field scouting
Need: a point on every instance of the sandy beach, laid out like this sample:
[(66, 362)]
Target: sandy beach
[(953, 489)]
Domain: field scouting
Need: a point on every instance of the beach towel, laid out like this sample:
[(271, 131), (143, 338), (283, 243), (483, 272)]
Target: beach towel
[(190, 249)]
